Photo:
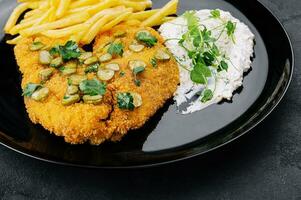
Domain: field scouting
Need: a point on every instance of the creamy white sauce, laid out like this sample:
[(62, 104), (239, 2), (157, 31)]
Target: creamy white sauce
[(239, 54)]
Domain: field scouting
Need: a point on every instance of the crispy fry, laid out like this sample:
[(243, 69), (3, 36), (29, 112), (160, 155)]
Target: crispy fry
[(143, 14), (83, 19), (16, 14), (114, 22), (62, 8), (64, 22), (65, 32), (168, 9)]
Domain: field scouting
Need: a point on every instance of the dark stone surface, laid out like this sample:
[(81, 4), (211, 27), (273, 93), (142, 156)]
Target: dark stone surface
[(265, 164)]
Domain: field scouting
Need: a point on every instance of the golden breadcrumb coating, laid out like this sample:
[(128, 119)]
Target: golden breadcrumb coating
[(81, 122)]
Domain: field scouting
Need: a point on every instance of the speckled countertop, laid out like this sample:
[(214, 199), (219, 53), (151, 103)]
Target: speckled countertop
[(265, 164)]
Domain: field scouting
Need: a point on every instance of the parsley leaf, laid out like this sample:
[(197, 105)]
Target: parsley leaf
[(215, 14), (116, 49), (92, 87), (138, 70), (146, 38), (125, 101), (154, 62), (69, 51), (92, 68), (207, 95), (122, 73), (30, 88)]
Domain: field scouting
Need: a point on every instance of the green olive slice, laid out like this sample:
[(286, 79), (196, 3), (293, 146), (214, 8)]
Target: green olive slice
[(105, 58), (136, 63), (40, 94), (113, 66), (57, 62), (35, 46), (70, 99), (91, 60), (92, 99), (136, 47), (162, 55), (84, 56), (137, 99), (77, 79), (45, 74), (105, 74), (45, 57)]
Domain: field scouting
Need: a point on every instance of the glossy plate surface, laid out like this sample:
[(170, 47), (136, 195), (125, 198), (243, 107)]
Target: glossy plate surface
[(168, 136)]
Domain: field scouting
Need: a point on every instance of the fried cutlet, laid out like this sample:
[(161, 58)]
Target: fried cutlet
[(81, 122)]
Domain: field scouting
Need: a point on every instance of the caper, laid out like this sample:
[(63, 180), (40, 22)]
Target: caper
[(40, 94), (113, 66), (76, 79), (70, 99), (120, 34), (35, 46), (105, 74), (45, 57), (72, 89), (45, 74), (162, 55), (92, 99), (105, 58), (91, 60), (84, 56), (136, 47), (57, 62), (137, 99), (136, 63)]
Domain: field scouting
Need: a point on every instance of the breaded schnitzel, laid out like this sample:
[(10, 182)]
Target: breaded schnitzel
[(139, 75)]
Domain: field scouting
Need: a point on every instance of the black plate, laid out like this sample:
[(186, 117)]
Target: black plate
[(168, 136)]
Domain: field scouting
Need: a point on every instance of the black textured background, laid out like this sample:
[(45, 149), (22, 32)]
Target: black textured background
[(265, 164)]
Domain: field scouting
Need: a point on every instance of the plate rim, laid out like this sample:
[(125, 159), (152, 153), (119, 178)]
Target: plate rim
[(23, 151)]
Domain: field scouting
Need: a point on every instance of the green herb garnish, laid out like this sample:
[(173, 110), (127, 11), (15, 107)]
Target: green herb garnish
[(207, 95), (122, 73), (92, 87), (146, 38), (69, 51), (230, 26), (154, 62), (125, 101), (30, 88), (136, 71), (216, 14), (222, 66), (116, 49), (92, 68)]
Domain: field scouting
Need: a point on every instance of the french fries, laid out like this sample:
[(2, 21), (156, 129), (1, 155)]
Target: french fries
[(82, 20)]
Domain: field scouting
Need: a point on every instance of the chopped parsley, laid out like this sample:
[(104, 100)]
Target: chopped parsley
[(30, 88), (125, 101), (146, 38), (154, 62), (92, 87), (116, 49), (122, 73), (69, 51), (92, 68), (136, 71)]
